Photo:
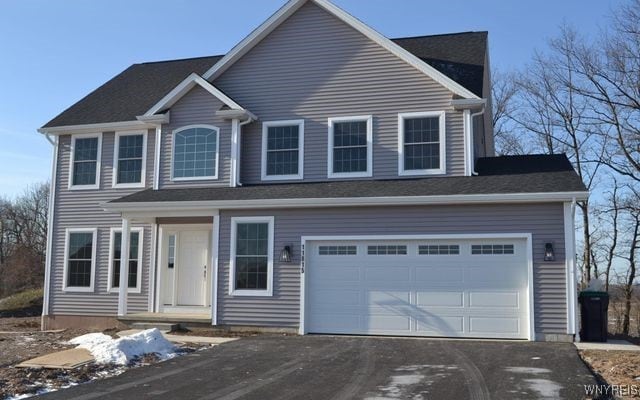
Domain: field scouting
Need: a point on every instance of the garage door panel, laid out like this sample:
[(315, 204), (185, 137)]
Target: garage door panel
[(439, 299), (440, 326), (444, 274), (495, 325), (390, 273), (456, 295), (494, 299)]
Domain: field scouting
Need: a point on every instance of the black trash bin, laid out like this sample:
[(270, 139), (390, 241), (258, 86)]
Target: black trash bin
[(594, 316)]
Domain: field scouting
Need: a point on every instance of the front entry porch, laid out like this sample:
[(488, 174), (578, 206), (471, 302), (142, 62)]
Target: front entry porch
[(182, 271)]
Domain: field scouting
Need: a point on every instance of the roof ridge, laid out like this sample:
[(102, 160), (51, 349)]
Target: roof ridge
[(179, 59), (439, 34)]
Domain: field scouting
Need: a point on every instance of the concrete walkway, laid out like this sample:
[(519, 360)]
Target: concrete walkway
[(611, 345)]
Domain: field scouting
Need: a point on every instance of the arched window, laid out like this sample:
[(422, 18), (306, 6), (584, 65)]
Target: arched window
[(195, 152)]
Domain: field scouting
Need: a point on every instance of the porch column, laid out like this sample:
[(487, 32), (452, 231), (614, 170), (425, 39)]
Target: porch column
[(124, 267)]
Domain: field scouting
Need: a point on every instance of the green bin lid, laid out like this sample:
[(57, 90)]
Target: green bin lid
[(593, 294)]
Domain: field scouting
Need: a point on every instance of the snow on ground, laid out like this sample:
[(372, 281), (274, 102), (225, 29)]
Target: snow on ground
[(107, 350)]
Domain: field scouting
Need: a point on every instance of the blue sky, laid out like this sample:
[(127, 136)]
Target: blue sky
[(52, 53)]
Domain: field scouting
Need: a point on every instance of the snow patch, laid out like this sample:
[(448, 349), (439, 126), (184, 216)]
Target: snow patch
[(548, 390), (107, 350)]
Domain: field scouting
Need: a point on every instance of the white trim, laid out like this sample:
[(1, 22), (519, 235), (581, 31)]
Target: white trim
[(359, 174), (156, 161), (467, 236), (442, 143), (173, 146), (50, 222), (157, 119), (116, 155), (265, 132), (94, 128), (94, 247), (232, 265), (184, 87), (72, 150), (233, 176), (153, 264), (288, 9), (467, 124), (196, 208), (138, 288), (214, 263), (570, 265), (160, 263)]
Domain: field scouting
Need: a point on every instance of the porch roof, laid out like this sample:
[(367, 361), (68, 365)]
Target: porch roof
[(496, 175)]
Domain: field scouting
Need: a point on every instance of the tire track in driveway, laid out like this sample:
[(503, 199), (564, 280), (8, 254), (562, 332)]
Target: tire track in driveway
[(474, 380), (364, 368)]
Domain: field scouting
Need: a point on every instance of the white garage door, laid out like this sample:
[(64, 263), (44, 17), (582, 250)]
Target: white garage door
[(451, 288)]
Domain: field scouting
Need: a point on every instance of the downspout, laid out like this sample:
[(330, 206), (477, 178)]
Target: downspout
[(156, 158), (573, 274), (238, 147), (48, 258), (471, 117)]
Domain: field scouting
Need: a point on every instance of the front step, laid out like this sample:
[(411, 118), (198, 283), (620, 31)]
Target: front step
[(161, 326)]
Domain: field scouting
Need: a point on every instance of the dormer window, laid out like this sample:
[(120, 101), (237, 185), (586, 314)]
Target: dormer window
[(195, 153), (421, 143)]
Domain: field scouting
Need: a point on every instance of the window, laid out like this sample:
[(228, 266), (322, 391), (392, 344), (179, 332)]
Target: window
[(80, 259), (439, 249), (129, 159), (135, 259), (421, 143), (386, 250), (85, 161), (172, 252), (350, 147), (251, 256), (492, 249), (195, 153), (282, 150), (337, 250)]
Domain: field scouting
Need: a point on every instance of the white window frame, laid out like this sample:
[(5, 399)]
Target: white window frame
[(232, 273), (173, 146), (265, 135), (116, 155), (442, 138), (96, 185), (68, 232), (360, 174), (112, 235)]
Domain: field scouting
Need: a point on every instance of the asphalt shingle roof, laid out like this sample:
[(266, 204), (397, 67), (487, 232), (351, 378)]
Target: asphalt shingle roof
[(134, 91), (499, 175)]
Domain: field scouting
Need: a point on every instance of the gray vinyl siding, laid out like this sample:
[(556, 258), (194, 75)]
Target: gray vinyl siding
[(314, 67), (196, 107), (81, 209), (544, 221)]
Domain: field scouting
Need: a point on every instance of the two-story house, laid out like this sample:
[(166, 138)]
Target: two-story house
[(318, 178)]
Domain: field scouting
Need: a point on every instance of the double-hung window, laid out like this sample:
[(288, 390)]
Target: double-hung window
[(129, 159), (80, 260), (195, 152), (350, 150), (85, 161), (251, 256), (421, 143), (135, 259), (282, 150)]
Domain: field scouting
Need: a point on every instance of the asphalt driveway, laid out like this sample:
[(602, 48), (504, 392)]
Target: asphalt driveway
[(334, 367)]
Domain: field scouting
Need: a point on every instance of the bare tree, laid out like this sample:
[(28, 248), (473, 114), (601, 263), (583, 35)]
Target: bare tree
[(503, 92), (604, 235), (634, 246)]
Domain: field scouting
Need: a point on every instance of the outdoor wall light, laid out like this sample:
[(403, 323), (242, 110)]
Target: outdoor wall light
[(549, 254), (285, 255)]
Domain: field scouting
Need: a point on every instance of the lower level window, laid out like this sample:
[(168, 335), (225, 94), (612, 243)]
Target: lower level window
[(80, 259), (135, 258), (252, 256)]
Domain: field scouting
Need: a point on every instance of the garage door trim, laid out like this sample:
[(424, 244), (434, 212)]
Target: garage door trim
[(469, 236)]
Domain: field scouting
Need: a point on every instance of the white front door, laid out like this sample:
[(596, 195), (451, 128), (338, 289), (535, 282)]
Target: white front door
[(455, 288), (192, 269)]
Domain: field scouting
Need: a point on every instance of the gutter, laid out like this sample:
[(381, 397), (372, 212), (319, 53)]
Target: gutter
[(208, 205), (48, 258)]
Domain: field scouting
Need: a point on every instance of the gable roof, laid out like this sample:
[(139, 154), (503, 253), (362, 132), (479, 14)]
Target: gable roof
[(257, 35)]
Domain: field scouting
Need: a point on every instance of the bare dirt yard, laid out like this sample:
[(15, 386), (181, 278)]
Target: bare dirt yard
[(620, 368)]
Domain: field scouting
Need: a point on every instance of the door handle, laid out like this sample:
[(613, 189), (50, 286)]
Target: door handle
[(205, 271)]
